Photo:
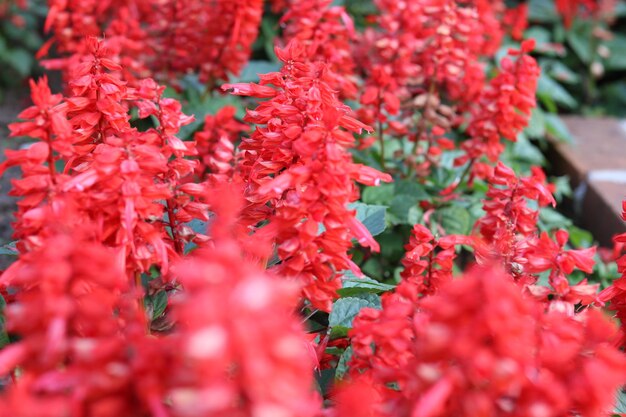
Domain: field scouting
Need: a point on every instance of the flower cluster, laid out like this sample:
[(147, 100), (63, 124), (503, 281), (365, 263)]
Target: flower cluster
[(327, 33), (425, 267), (479, 347), (167, 268), (216, 144), (502, 109), (300, 175), (156, 38)]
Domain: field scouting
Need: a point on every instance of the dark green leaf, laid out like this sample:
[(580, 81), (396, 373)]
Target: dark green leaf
[(21, 61), (547, 88), (159, 304), (617, 58), (382, 194), (579, 38), (537, 125), (542, 11), (4, 337), (353, 285), (556, 128), (372, 217), (343, 312), (342, 365), (550, 219), (454, 219)]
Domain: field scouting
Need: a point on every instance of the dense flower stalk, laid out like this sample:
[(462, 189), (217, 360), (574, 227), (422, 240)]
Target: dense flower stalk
[(162, 39), (479, 347), (237, 331), (300, 175), (327, 32), (216, 144), (503, 108)]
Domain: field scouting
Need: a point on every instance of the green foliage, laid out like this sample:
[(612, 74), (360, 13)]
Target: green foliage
[(344, 311), (353, 285), (372, 217), (20, 38)]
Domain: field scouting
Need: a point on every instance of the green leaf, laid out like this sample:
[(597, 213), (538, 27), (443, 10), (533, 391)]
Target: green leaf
[(21, 61), (454, 219), (616, 61), (542, 11), (579, 37), (537, 125), (556, 128), (382, 194), (159, 304), (580, 238), (343, 313), (4, 337), (562, 186), (549, 89), (324, 380), (251, 71), (372, 217), (407, 194), (561, 72), (9, 249), (620, 403), (550, 219), (525, 151), (353, 285), (342, 365)]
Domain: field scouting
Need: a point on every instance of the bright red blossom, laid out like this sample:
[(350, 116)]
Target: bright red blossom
[(300, 176), (479, 347)]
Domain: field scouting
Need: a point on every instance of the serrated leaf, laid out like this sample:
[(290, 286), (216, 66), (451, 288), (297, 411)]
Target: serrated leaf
[(372, 216), (620, 403), (159, 304), (352, 285), (342, 364), (343, 313), (454, 219)]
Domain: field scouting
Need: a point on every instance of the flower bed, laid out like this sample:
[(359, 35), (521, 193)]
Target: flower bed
[(353, 223)]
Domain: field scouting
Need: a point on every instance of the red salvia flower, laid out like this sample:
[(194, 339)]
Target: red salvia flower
[(158, 38), (503, 109), (424, 266), (297, 160), (216, 144), (327, 32), (479, 347), (237, 332), (509, 226)]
